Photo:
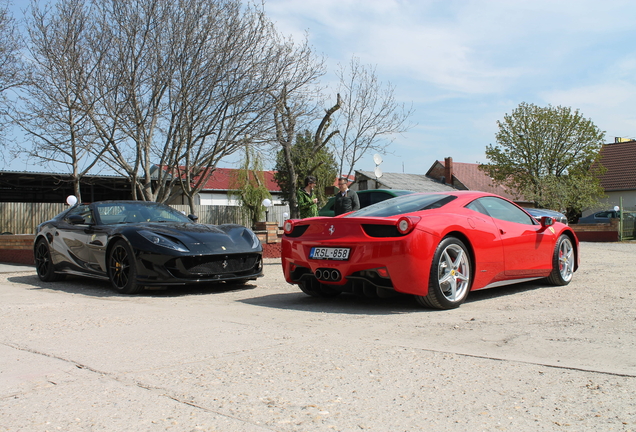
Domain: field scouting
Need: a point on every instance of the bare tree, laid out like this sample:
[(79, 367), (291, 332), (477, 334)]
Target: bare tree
[(50, 105), (228, 62), (160, 91), (370, 116), (296, 107), (128, 103), (185, 85), (11, 70), (10, 64)]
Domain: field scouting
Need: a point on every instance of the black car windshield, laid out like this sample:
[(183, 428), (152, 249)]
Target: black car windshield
[(404, 204), (134, 212)]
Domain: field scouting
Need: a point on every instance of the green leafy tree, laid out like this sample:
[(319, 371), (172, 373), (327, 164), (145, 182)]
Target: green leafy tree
[(548, 155), (572, 193), (322, 165), (249, 186)]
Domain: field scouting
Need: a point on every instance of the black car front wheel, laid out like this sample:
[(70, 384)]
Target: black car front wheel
[(44, 264), (122, 270)]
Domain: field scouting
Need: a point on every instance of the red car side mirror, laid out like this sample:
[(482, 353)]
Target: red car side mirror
[(546, 221)]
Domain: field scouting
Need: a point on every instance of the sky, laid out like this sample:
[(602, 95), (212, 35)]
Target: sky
[(464, 65)]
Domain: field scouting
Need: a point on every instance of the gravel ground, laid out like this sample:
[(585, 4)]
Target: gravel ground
[(75, 356)]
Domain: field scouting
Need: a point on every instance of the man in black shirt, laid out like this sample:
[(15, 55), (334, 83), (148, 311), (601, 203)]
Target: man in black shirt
[(346, 200)]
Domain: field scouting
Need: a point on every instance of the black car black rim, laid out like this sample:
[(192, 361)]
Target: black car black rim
[(119, 267), (42, 259)]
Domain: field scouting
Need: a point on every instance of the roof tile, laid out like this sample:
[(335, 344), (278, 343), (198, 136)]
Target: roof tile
[(470, 176), (620, 161)]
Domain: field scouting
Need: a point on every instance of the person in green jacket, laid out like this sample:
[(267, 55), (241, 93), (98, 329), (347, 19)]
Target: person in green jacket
[(307, 202)]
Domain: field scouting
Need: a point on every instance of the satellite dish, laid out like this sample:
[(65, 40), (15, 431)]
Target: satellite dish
[(377, 159), (378, 172)]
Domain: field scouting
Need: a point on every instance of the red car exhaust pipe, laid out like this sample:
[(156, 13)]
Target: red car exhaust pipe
[(327, 275)]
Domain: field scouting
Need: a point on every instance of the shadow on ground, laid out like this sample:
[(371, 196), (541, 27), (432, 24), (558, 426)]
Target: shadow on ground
[(353, 304), (342, 304), (100, 288)]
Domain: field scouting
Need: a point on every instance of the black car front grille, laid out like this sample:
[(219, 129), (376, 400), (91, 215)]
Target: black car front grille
[(220, 265)]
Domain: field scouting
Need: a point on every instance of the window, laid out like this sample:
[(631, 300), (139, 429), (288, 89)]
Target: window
[(377, 197), (138, 211), (404, 204), (476, 206), (82, 210), (503, 210), (365, 199), (605, 215)]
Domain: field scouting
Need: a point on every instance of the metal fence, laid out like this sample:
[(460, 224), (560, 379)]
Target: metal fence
[(628, 221), (23, 218), (628, 229)]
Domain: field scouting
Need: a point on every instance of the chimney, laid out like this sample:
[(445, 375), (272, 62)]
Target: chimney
[(448, 170)]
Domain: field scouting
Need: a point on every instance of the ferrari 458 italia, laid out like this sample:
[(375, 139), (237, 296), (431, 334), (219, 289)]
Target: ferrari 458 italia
[(436, 246), (135, 244)]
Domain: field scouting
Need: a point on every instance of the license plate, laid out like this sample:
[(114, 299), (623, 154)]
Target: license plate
[(328, 253)]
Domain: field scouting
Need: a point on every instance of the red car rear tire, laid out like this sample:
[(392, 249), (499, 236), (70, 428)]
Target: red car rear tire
[(450, 277)]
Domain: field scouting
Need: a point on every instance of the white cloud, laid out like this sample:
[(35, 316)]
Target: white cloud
[(465, 63), (608, 105), (472, 47)]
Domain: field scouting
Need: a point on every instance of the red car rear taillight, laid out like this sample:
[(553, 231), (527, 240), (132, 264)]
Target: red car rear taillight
[(405, 224), (288, 226)]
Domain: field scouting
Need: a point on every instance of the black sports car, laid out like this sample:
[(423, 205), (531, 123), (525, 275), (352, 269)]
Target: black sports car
[(135, 244)]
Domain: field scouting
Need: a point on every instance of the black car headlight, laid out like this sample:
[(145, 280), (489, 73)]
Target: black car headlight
[(251, 238), (159, 240)]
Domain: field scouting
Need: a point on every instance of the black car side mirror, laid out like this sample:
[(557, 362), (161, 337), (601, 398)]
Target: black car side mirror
[(193, 218), (75, 219)]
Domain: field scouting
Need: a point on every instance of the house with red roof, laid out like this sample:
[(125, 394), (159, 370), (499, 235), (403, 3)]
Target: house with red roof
[(619, 181), (468, 176), (217, 188), (399, 181), (442, 176)]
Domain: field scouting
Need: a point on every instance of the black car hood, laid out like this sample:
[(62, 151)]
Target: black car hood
[(205, 239)]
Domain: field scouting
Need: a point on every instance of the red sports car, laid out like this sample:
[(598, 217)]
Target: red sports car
[(436, 246)]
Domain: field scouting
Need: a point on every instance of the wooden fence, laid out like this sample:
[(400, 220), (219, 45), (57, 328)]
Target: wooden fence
[(23, 218)]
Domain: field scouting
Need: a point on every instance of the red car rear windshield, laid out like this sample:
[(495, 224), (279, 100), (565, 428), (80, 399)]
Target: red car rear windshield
[(404, 204)]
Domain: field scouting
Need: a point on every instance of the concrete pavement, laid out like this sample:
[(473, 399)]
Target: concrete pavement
[(15, 268), (76, 356)]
